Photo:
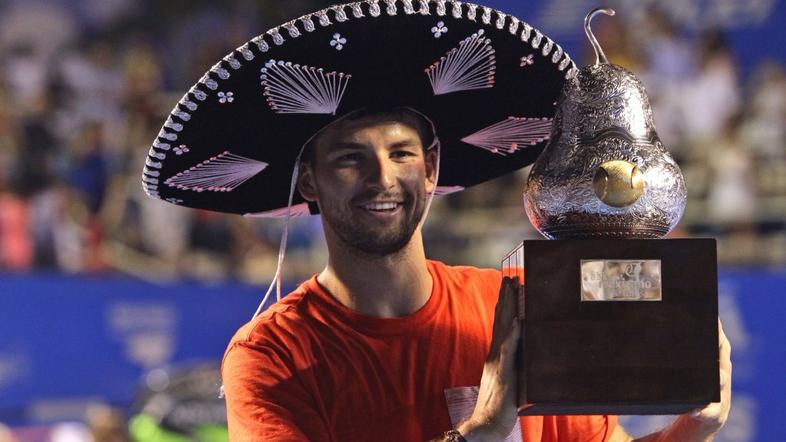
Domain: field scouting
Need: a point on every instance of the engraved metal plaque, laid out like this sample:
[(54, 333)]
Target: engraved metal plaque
[(620, 280)]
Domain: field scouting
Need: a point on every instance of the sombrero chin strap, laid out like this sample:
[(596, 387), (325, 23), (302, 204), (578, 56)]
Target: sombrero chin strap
[(285, 234), (283, 244)]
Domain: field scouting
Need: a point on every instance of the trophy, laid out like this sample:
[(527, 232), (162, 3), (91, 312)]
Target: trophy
[(616, 320)]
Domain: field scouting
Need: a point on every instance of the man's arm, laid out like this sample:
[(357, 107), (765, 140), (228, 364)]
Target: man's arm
[(496, 409), (701, 425)]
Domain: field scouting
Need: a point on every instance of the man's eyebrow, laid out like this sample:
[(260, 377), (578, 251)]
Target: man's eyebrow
[(405, 143), (338, 145)]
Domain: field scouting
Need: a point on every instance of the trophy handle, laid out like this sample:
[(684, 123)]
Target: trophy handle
[(600, 57)]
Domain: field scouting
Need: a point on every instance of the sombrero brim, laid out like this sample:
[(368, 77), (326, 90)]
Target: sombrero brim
[(487, 81)]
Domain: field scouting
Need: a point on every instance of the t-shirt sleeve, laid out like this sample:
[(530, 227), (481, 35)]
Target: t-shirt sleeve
[(265, 400)]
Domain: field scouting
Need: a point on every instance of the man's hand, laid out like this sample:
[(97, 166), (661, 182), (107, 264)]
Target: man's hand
[(714, 415), (496, 410)]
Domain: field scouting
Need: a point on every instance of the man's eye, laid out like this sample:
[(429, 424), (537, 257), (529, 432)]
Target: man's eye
[(350, 157), (402, 154)]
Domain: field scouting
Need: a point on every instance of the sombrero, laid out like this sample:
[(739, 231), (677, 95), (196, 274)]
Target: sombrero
[(487, 81)]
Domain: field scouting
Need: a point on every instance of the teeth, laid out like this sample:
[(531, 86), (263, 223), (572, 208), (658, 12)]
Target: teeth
[(380, 206)]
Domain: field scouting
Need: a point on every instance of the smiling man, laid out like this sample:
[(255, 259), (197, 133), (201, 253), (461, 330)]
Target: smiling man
[(337, 113)]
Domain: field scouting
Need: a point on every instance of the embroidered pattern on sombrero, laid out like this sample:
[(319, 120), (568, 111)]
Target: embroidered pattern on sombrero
[(511, 134), (221, 173), (293, 88), (469, 66)]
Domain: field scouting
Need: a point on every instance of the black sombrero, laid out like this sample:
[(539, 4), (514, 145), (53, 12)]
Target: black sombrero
[(486, 80)]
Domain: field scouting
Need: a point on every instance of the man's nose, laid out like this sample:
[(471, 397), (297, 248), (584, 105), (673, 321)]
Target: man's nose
[(382, 173)]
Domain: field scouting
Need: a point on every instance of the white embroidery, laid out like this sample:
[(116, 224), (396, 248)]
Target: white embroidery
[(180, 150), (293, 31), (220, 71), (447, 190), (198, 93), (486, 17), (469, 66), (473, 10), (296, 210), (514, 25), (246, 53), (547, 47), (226, 97), (185, 116), (357, 12), (292, 88), (278, 39), (154, 164), (324, 20), (221, 173), (500, 20), (441, 11), (565, 62), (171, 124), (424, 10), (511, 134), (167, 135), (536, 41), (526, 61), (261, 43), (526, 32), (439, 29), (557, 54), (188, 104), (456, 9), (174, 200), (308, 25), (232, 61), (341, 15), (159, 145), (408, 8), (209, 82), (373, 8), (391, 9), (338, 41)]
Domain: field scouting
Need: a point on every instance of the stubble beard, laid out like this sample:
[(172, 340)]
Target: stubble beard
[(371, 241)]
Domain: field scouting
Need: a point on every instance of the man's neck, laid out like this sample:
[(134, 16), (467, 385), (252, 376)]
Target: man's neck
[(387, 286)]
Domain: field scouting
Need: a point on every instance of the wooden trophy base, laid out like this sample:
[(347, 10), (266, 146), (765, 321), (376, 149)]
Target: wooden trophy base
[(617, 326)]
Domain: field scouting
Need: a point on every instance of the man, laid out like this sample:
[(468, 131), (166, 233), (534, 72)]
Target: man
[(357, 353), (382, 344)]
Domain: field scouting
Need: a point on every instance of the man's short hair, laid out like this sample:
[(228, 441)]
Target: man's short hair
[(401, 114)]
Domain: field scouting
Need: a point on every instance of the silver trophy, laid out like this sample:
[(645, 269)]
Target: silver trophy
[(607, 299)]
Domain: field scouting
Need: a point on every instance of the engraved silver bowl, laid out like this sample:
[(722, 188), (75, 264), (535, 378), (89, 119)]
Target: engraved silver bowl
[(603, 115)]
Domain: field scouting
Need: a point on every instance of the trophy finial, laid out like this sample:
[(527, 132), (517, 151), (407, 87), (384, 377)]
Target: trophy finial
[(600, 57)]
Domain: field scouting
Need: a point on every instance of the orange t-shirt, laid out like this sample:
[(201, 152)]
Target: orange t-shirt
[(309, 368)]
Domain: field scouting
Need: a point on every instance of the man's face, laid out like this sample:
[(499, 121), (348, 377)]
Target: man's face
[(370, 180)]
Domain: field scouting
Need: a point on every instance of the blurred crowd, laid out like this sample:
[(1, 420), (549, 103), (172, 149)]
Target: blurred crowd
[(82, 98)]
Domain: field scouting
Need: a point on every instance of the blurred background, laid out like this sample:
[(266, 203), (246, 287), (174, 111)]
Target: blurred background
[(115, 308)]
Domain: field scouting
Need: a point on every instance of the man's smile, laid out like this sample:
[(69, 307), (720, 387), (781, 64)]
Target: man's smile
[(382, 208)]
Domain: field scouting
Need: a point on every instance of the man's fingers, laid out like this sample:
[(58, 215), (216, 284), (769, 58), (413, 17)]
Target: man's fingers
[(507, 303)]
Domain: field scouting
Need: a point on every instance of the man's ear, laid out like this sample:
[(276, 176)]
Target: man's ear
[(431, 169), (305, 182)]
